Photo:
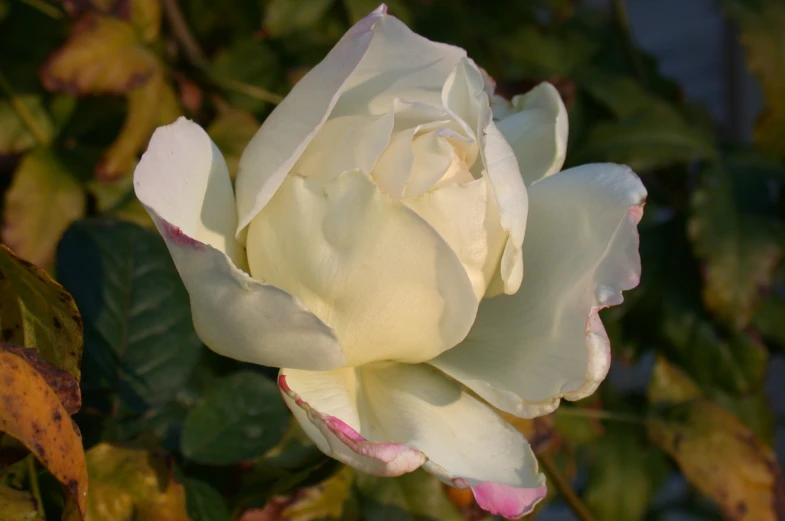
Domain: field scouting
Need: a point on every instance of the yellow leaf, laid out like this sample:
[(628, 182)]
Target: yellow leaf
[(102, 55), (723, 459), (149, 106), (17, 505), (132, 484), (760, 27), (323, 501), (15, 137), (669, 384), (32, 413), (35, 311), (44, 199)]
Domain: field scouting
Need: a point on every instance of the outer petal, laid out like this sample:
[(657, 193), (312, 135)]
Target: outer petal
[(183, 182), (528, 350), (368, 266), (289, 129), (388, 419), (537, 131)]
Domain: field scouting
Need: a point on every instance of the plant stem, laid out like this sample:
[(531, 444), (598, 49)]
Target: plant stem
[(45, 8), (32, 476), (600, 414), (564, 489), (197, 57), (23, 111)]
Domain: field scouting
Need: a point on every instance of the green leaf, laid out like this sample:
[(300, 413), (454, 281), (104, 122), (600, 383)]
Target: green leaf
[(249, 61), (36, 311), (416, 496), (740, 249), (43, 201), (623, 477), (284, 17), (241, 417), (760, 24), (139, 336), (18, 505), (723, 459), (204, 502), (15, 136), (646, 140)]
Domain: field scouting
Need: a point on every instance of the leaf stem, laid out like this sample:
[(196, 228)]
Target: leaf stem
[(564, 489), (23, 111), (600, 414), (45, 8), (32, 476), (197, 57)]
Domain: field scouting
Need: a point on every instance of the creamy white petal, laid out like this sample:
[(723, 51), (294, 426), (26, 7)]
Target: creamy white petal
[(183, 182), (289, 129), (346, 143), (398, 64), (388, 419), (527, 351), (366, 265), (501, 167), (537, 131), (467, 217)]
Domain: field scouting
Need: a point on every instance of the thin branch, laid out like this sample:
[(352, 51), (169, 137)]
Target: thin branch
[(183, 34), (45, 8), (197, 57), (23, 111), (564, 489)]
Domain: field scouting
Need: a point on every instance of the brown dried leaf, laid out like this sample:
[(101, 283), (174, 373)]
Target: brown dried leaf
[(65, 386), (31, 412)]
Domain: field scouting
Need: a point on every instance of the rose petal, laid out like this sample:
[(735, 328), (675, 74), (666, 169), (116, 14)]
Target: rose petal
[(527, 351), (388, 419), (289, 129), (369, 267), (183, 182), (537, 131)]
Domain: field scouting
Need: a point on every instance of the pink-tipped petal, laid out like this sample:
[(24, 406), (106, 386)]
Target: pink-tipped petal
[(184, 185), (507, 501), (525, 352), (393, 418)]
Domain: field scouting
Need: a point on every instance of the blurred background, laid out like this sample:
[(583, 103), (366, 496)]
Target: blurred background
[(690, 424)]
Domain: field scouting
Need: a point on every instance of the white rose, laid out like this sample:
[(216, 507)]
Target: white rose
[(375, 209)]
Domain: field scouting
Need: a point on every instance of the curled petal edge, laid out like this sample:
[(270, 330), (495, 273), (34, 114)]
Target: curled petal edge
[(390, 459)]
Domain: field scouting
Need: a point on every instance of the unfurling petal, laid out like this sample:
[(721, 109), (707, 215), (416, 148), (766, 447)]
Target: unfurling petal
[(183, 182), (389, 419), (366, 265), (537, 130), (527, 351)]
